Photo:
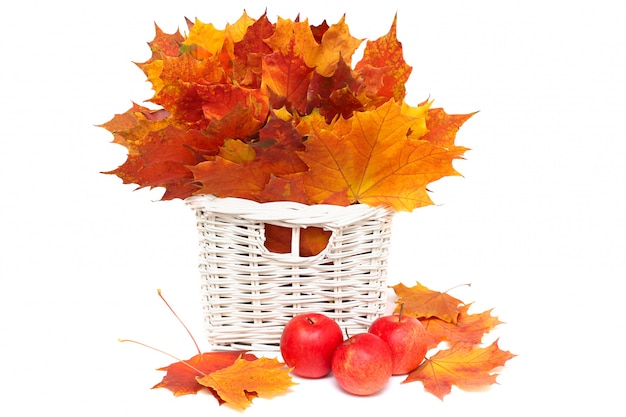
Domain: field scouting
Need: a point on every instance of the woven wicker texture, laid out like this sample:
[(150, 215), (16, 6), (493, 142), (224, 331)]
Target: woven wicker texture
[(249, 293)]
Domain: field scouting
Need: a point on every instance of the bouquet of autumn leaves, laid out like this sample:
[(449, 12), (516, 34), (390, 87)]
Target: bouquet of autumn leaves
[(277, 112)]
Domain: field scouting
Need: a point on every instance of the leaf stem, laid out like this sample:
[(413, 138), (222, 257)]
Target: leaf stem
[(163, 352), (181, 322), (469, 284)]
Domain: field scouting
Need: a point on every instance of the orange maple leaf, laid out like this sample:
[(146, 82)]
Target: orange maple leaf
[(246, 66), (158, 151), (216, 101), (165, 44), (424, 303), (181, 376), (469, 328), (442, 127), (284, 188), (336, 44), (376, 156), (464, 365), (292, 37), (263, 377), (244, 180), (173, 81), (288, 77)]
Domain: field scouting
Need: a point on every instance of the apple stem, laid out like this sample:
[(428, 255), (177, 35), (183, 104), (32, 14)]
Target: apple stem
[(401, 312), (163, 352), (181, 322)]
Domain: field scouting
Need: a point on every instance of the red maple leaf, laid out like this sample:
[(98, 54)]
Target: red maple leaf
[(181, 377)]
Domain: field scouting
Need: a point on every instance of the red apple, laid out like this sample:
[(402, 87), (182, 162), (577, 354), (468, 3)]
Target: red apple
[(362, 364), (406, 337), (308, 342)]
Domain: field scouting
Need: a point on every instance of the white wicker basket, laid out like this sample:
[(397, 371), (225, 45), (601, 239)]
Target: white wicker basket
[(249, 293)]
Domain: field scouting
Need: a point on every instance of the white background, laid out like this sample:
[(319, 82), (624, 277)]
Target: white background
[(536, 224)]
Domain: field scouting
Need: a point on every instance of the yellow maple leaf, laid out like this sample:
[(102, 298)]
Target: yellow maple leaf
[(265, 377), (237, 30), (424, 303), (337, 43), (237, 151), (206, 36), (292, 37)]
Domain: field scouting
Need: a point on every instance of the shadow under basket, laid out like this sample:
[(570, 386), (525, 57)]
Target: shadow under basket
[(250, 292)]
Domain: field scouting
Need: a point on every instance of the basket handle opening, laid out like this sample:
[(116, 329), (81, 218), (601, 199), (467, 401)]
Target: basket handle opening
[(296, 241)]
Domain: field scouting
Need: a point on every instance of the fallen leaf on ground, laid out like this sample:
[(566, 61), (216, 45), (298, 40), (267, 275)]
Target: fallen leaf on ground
[(263, 377), (181, 376), (464, 365), (469, 328), (424, 303)]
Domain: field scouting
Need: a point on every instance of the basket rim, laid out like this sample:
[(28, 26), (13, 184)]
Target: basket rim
[(290, 212)]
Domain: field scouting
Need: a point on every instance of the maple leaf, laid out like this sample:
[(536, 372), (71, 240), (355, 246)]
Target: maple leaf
[(228, 372), (336, 44), (263, 377), (284, 188), (424, 303), (159, 152), (219, 99), (245, 180), (238, 123), (384, 68), (464, 365), (165, 44), (172, 79), (236, 151), (372, 157), (288, 77), (131, 126), (469, 328), (292, 38), (237, 31), (442, 127), (248, 53), (181, 376), (336, 94), (205, 36)]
